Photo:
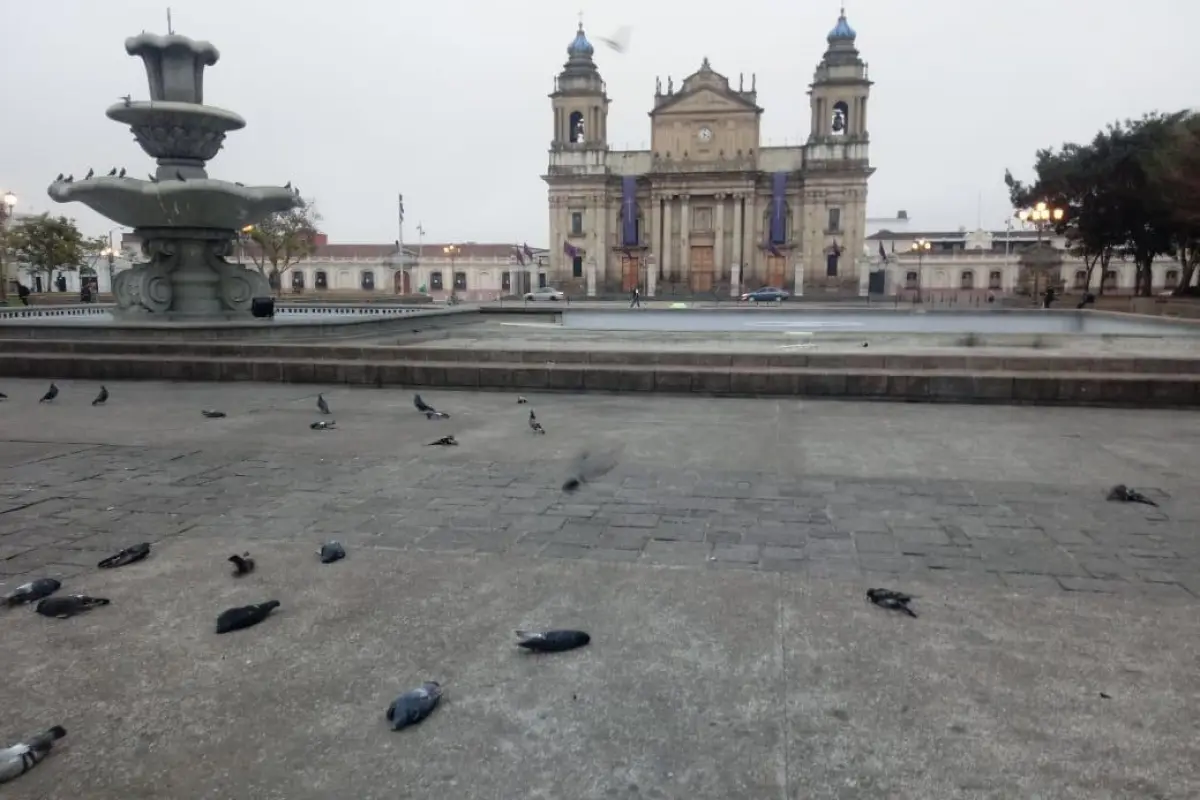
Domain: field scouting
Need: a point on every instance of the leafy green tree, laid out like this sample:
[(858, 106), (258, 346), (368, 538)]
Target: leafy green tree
[(283, 239), (47, 244), (1175, 169)]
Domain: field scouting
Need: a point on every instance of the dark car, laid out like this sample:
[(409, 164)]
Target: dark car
[(767, 294)]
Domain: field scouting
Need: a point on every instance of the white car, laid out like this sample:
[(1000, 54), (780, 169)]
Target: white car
[(546, 293)]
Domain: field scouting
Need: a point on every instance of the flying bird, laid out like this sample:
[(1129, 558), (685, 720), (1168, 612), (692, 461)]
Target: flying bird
[(414, 706), (331, 552), (101, 398), (322, 406), (243, 564), (445, 441), (534, 425), (32, 591), (324, 425), (91, 173), (127, 556), (552, 641), (69, 605), (235, 619), (619, 41), (112, 172), (18, 759), (589, 465), (50, 394), (429, 411), (179, 175), (1123, 494), (891, 600)]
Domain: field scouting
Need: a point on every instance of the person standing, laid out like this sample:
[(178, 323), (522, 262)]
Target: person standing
[(635, 298), (23, 293)]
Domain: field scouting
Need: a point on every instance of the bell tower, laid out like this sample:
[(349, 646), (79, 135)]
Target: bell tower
[(839, 90), (579, 100)]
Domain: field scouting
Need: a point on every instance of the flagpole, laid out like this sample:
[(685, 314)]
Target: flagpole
[(400, 241)]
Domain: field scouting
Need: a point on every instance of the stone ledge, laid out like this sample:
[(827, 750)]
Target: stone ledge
[(619, 358), (946, 386)]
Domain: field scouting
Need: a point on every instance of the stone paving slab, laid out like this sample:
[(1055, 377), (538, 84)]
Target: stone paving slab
[(1005, 496), (698, 684)]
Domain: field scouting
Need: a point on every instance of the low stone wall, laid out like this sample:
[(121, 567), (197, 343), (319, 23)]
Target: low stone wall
[(942, 385)]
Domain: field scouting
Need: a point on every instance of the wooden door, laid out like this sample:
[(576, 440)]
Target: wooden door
[(776, 271), (700, 269), (630, 272)]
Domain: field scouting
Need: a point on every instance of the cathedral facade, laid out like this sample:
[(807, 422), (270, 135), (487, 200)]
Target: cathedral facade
[(707, 208)]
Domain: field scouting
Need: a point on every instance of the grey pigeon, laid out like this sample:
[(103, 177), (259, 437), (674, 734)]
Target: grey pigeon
[(331, 552), (112, 173), (128, 98), (212, 413), (324, 425), (70, 179), (91, 172), (101, 398), (414, 706), (32, 591), (59, 178), (127, 556), (179, 175), (891, 600), (534, 425), (429, 411), (121, 174), (50, 394), (1123, 494), (235, 619), (521, 400), (21, 757), (153, 178), (287, 185), (243, 564), (322, 406), (69, 605), (445, 441), (552, 641), (3, 396), (589, 465)]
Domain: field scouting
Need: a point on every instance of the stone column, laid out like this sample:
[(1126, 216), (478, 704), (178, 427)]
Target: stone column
[(600, 257), (798, 278), (863, 265), (590, 272), (654, 252), (719, 248), (685, 226), (735, 269), (752, 271), (651, 276), (666, 237)]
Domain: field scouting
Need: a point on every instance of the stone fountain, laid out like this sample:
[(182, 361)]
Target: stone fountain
[(187, 221)]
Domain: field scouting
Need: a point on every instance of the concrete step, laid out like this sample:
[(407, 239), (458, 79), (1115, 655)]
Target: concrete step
[(929, 385)]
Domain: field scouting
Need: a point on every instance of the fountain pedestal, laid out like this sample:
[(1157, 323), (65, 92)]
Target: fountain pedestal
[(187, 222)]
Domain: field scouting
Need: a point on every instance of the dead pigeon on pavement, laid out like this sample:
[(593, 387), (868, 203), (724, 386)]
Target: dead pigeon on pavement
[(243, 564), (235, 619), (101, 398), (891, 600), (21, 757), (534, 425), (414, 706), (69, 605), (50, 394), (1123, 494), (589, 465), (445, 441), (324, 425), (32, 591), (127, 556), (331, 552), (322, 406), (212, 414), (552, 641), (429, 411)]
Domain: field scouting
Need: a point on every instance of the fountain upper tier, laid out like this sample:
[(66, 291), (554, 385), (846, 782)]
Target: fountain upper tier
[(181, 136)]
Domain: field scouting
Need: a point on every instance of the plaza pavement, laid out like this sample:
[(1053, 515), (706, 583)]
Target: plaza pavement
[(720, 569)]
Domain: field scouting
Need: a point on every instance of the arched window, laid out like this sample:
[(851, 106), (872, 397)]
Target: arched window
[(366, 280), (994, 279), (1080, 279), (910, 280), (297, 279), (460, 281), (1110, 279), (576, 127), (321, 280), (577, 267), (967, 279), (840, 123), (435, 281)]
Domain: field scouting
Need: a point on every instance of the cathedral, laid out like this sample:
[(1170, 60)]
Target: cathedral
[(707, 208)]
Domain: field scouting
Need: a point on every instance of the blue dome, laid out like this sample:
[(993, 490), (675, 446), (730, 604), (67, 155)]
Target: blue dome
[(842, 30), (580, 46)]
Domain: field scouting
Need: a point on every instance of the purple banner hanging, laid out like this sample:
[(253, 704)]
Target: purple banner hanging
[(629, 222), (778, 208)]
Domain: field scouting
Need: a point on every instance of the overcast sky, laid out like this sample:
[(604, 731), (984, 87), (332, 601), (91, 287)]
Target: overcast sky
[(357, 100)]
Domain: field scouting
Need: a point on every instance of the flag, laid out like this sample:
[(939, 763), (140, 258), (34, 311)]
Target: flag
[(401, 201), (570, 250), (837, 250), (520, 256), (882, 253), (527, 250)]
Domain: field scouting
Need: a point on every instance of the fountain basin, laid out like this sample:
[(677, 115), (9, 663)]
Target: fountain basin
[(202, 203), (169, 130)]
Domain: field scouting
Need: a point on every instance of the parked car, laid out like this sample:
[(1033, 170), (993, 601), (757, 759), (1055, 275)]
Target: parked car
[(767, 294), (546, 293)]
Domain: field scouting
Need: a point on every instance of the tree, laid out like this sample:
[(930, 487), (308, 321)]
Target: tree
[(283, 239), (50, 244), (1175, 170)]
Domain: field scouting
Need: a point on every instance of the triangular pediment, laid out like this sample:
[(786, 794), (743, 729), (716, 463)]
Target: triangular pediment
[(705, 99)]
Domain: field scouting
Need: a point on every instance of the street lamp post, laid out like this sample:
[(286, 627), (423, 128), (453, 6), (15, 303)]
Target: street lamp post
[(920, 247), (451, 251), (7, 204), (1040, 215)]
